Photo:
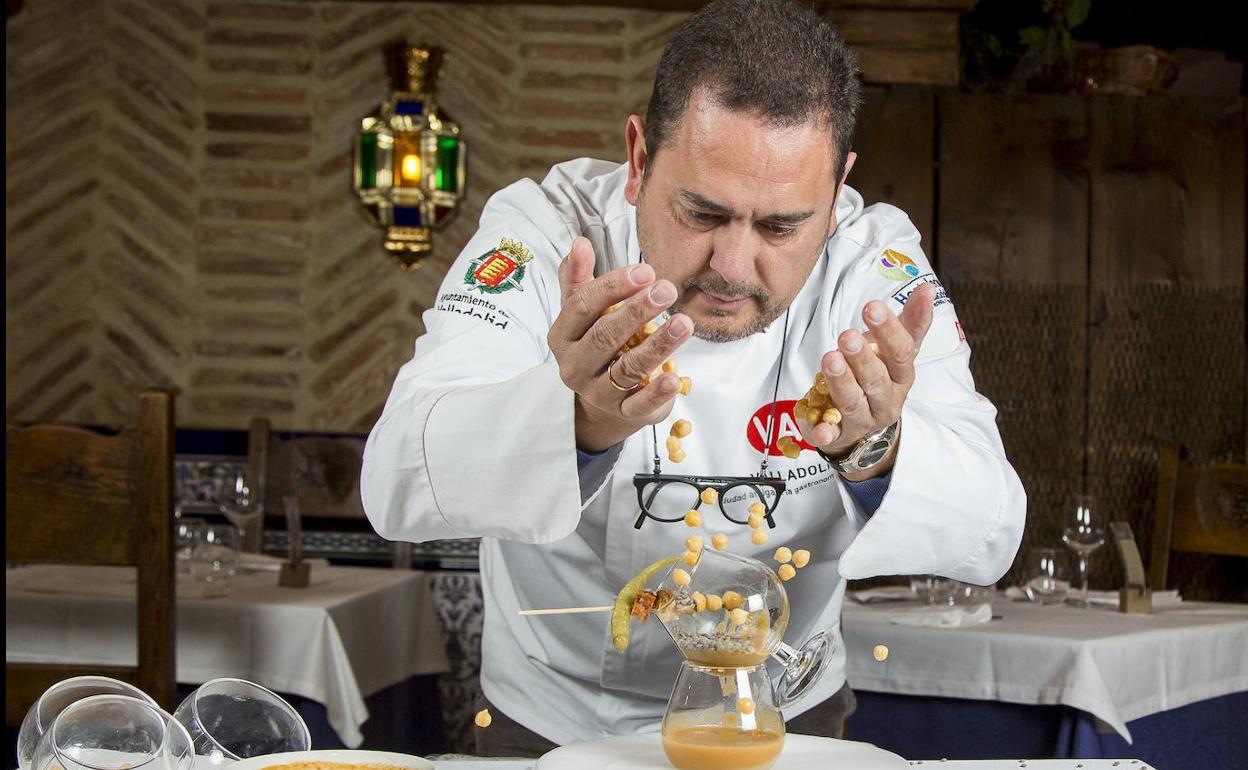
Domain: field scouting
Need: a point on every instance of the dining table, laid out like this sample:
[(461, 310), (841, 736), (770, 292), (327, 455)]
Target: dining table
[(1018, 678), (475, 763), (350, 635)]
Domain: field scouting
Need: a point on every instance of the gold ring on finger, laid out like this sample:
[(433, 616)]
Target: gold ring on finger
[(616, 385)]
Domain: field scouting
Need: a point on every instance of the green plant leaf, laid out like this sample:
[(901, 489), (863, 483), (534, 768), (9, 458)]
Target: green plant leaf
[(993, 44), (1077, 12), (1032, 37), (1068, 47)]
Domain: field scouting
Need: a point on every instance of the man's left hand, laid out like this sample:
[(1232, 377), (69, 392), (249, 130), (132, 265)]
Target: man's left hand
[(869, 388)]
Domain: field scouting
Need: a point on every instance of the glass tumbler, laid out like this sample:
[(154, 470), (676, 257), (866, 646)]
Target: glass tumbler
[(722, 718)]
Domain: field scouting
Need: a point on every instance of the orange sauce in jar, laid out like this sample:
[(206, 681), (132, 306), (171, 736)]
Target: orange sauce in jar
[(722, 748)]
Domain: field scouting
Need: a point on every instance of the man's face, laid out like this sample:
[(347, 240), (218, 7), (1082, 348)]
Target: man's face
[(734, 212)]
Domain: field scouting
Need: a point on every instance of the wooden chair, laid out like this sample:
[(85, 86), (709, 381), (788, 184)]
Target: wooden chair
[(76, 496), (322, 472), (1199, 510)]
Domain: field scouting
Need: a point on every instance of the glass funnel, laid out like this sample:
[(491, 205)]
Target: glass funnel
[(722, 719), (733, 611)]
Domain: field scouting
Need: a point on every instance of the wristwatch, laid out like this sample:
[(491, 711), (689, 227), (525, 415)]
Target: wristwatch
[(867, 453)]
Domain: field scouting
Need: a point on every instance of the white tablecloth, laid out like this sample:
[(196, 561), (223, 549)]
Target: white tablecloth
[(1115, 666), (352, 632)]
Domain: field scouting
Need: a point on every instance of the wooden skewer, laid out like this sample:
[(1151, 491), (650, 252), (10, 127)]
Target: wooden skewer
[(567, 610)]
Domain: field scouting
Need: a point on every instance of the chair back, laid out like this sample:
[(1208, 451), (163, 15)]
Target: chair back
[(78, 496), (1198, 510)]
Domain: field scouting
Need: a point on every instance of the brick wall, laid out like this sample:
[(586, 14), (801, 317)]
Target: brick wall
[(180, 208)]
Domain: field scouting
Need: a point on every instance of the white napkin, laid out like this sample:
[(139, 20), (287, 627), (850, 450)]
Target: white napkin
[(883, 594), (1161, 599), (943, 617)]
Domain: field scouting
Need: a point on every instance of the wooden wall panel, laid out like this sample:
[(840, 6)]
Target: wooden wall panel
[(1012, 248), (1167, 304), (896, 155)]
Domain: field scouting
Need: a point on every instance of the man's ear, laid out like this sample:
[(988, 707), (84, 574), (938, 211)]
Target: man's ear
[(635, 143), (849, 165)]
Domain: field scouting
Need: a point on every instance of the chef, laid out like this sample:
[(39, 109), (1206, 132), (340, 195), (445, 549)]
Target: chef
[(731, 226)]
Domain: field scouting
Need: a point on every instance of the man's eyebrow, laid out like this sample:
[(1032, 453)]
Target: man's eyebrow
[(695, 200)]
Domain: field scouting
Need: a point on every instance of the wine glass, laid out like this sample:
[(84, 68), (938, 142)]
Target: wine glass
[(55, 699), (214, 559), (747, 628), (1048, 576), (1083, 534), (113, 732), (243, 506), (726, 718), (187, 532), (233, 719)]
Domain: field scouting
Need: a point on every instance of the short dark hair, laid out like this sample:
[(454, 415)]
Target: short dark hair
[(775, 58)]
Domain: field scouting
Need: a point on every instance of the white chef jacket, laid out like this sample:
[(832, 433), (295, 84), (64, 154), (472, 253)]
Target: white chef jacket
[(477, 439)]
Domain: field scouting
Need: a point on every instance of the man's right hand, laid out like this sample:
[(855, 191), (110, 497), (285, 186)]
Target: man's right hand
[(587, 345)]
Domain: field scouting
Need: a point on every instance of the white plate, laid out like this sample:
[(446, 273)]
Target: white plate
[(344, 756), (645, 752)]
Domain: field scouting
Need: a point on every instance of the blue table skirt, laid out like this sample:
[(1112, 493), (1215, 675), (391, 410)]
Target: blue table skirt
[(1200, 736)]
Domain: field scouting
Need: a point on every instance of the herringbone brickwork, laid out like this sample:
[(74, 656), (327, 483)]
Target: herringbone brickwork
[(180, 208)]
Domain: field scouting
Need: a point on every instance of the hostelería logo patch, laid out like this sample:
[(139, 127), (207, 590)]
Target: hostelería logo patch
[(496, 271), (895, 265), (786, 425)]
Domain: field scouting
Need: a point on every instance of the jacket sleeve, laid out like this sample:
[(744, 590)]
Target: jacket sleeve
[(954, 505), (477, 436)]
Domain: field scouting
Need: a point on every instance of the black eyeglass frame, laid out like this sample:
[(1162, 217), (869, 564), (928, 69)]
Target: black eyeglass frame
[(719, 483)]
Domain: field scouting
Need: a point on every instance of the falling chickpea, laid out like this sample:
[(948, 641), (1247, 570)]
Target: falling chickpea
[(483, 718), (678, 457), (759, 536), (786, 572), (714, 602), (755, 520), (699, 601), (710, 496), (880, 653), (690, 557), (682, 428), (686, 385), (693, 519), (732, 600), (745, 706), (693, 543), (680, 577), (784, 555), (673, 445), (739, 616), (801, 558), (719, 541)]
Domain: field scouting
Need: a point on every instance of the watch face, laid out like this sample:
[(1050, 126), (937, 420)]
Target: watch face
[(872, 453)]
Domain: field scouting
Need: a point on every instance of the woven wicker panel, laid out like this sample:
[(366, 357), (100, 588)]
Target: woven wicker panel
[(1168, 363), (1027, 355)]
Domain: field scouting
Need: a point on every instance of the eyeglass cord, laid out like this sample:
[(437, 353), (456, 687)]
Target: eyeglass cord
[(771, 419)]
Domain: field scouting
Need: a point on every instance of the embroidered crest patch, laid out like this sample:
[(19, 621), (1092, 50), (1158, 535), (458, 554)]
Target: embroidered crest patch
[(499, 269), (895, 265)]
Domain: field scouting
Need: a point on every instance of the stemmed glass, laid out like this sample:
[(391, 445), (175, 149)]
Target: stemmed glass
[(113, 732), (56, 699), (747, 628), (1084, 533), (243, 507), (233, 719)]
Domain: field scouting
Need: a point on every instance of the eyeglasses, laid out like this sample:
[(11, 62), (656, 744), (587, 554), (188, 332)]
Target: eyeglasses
[(662, 495)]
